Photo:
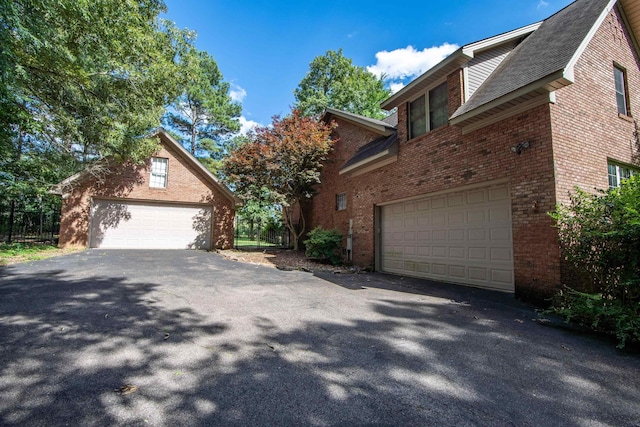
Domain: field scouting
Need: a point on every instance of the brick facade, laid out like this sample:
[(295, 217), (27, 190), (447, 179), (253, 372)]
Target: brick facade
[(185, 185), (566, 149)]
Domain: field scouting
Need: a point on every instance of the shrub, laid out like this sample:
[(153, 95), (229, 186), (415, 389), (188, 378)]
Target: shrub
[(600, 236), (324, 244)]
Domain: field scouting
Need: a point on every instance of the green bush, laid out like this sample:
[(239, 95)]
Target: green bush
[(324, 244), (600, 238)]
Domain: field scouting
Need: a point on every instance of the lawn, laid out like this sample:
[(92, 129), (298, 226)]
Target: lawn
[(13, 253)]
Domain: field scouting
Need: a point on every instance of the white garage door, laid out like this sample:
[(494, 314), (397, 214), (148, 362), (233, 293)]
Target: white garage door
[(459, 237), (132, 225)]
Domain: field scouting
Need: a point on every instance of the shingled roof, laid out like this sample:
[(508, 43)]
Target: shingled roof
[(383, 149), (544, 60)]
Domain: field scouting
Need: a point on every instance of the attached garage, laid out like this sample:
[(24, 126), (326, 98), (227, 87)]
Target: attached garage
[(460, 237), (124, 224)]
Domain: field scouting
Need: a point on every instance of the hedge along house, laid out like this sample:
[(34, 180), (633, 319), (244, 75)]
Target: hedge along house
[(486, 143), (171, 202)]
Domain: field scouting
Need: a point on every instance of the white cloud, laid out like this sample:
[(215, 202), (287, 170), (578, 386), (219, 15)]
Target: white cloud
[(409, 62), (237, 93), (543, 3), (247, 125), (395, 87)]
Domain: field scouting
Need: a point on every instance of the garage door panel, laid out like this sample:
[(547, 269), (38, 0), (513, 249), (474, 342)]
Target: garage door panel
[(462, 237), (129, 225), (455, 200), (476, 197)]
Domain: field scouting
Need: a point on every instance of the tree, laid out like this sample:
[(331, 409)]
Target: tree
[(333, 81), (600, 238), (284, 160), (204, 114), (81, 81)]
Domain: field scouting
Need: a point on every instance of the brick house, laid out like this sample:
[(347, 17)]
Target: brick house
[(457, 186), (171, 202)]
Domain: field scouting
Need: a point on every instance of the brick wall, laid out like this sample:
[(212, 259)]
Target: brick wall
[(587, 129), (570, 144), (446, 159), (185, 184)]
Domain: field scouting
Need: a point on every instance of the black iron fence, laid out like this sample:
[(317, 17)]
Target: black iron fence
[(24, 225), (254, 234)]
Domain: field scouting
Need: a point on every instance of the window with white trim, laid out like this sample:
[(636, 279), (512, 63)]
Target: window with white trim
[(159, 168), (430, 111), (341, 201), (618, 172), (620, 77)]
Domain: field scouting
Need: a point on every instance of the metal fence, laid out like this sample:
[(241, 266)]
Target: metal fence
[(19, 225), (250, 234)]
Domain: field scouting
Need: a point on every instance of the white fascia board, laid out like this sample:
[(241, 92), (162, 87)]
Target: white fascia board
[(559, 78), (568, 71), (451, 59), (471, 49), (380, 128), (366, 161)]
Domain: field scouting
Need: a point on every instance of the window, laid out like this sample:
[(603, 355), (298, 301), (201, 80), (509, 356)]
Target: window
[(621, 90), (341, 201), (158, 172), (619, 172), (429, 112)]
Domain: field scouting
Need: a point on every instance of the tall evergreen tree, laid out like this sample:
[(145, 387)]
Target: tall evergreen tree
[(204, 114)]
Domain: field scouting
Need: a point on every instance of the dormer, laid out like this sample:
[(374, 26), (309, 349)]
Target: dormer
[(426, 94)]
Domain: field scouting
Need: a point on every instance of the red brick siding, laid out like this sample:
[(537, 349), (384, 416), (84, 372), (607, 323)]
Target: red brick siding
[(570, 143), (446, 159), (587, 130), (586, 127), (185, 184)]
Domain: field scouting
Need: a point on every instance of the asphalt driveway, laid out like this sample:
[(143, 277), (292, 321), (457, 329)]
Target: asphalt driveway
[(207, 341)]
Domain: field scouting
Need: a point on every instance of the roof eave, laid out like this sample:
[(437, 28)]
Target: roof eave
[(471, 48), (550, 83), (382, 129), (383, 158), (443, 68)]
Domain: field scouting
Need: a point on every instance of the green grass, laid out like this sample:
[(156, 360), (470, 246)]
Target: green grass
[(248, 242), (11, 253)]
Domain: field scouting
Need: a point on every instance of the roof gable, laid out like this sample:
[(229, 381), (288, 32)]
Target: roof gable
[(212, 180), (169, 142), (544, 60), (453, 62)]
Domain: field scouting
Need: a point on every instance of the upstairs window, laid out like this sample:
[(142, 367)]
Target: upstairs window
[(341, 201), (429, 112), (621, 90), (617, 173), (159, 168)]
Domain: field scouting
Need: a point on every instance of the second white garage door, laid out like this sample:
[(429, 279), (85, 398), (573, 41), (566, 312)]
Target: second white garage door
[(460, 237), (134, 225)]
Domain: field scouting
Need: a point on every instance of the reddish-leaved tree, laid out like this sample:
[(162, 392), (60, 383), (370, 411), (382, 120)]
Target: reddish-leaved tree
[(282, 161)]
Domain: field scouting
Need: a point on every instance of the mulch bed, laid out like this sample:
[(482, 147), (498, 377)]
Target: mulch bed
[(285, 260)]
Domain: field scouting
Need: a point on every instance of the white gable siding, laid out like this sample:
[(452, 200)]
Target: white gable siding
[(483, 64)]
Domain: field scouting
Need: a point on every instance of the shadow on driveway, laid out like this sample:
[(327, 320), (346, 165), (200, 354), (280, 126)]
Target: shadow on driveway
[(261, 347)]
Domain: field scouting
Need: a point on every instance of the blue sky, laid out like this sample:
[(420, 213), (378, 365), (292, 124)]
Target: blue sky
[(264, 48)]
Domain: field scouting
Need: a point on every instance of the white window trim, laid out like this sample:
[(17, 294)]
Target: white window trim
[(625, 89), (618, 172), (155, 176), (426, 110)]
